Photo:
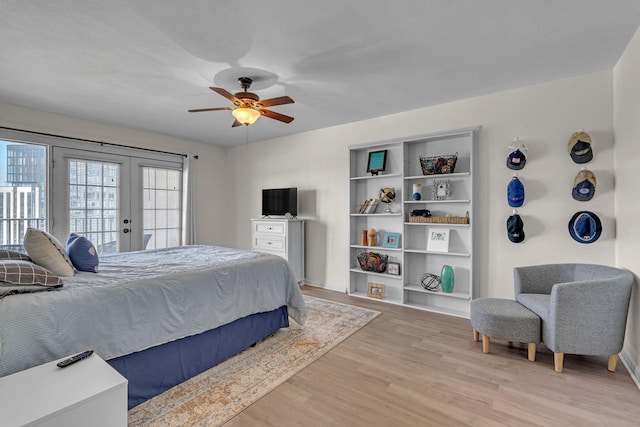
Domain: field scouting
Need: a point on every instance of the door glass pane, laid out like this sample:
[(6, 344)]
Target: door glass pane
[(93, 202), (23, 191), (161, 207)]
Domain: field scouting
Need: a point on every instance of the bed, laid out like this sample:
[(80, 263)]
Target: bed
[(159, 317)]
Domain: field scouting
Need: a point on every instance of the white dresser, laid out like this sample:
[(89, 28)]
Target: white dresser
[(86, 393), (282, 237)]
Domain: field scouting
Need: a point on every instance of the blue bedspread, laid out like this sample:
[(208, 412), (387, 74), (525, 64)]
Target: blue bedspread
[(143, 299)]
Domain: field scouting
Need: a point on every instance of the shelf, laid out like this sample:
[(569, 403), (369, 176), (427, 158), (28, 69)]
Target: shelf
[(418, 288), (376, 248), (442, 175), (436, 224), (422, 251), (371, 273), (391, 175), (438, 309), (387, 300), (378, 214), (409, 202)]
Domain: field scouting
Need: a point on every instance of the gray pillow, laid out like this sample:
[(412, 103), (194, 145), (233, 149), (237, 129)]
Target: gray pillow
[(19, 276), (9, 254)]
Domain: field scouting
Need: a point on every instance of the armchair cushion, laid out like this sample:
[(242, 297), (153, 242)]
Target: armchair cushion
[(538, 303)]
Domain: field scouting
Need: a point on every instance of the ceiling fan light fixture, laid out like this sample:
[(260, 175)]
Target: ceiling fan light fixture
[(246, 116)]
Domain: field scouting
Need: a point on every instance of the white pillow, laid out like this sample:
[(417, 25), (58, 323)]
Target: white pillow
[(45, 250)]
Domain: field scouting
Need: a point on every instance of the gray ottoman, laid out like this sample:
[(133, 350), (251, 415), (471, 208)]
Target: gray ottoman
[(504, 319)]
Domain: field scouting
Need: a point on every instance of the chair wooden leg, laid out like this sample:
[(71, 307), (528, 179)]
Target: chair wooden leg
[(485, 344), (558, 360), (613, 362), (532, 352), (476, 335)]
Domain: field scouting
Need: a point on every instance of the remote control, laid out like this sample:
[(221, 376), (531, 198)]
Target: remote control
[(74, 359)]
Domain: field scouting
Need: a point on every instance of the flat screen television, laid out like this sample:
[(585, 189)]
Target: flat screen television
[(280, 201)]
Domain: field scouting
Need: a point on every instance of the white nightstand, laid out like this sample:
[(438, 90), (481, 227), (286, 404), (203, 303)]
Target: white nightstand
[(86, 393), (282, 237)]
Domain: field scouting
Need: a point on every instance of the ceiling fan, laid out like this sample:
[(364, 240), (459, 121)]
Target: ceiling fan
[(248, 107)]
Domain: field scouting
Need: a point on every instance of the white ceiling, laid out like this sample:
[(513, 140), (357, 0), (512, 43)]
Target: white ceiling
[(144, 63)]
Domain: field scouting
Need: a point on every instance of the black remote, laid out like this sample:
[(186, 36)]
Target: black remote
[(74, 359)]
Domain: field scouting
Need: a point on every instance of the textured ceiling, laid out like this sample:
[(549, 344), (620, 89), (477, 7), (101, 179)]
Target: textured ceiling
[(144, 63)]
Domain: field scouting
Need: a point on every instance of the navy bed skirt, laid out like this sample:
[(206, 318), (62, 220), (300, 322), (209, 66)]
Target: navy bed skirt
[(157, 369)]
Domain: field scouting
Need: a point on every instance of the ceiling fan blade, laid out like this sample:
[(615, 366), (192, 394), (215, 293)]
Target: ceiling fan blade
[(210, 109), (276, 101), (236, 123), (276, 116), (226, 94)]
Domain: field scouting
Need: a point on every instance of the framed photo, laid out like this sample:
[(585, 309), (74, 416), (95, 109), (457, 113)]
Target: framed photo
[(391, 240), (376, 290), (377, 161), (438, 240), (393, 268), (440, 189)]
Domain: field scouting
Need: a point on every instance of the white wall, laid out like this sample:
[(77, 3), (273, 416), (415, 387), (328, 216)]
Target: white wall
[(543, 116), (211, 167), (627, 155)]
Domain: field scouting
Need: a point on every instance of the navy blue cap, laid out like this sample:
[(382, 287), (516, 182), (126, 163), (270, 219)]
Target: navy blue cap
[(585, 227), (515, 228), (516, 160)]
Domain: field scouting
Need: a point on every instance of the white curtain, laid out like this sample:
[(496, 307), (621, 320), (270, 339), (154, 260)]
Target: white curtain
[(188, 200)]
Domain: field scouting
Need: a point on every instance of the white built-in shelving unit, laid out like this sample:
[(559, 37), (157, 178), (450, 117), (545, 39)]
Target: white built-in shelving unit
[(403, 169)]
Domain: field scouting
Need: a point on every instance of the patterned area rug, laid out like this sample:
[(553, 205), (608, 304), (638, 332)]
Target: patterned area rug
[(217, 395)]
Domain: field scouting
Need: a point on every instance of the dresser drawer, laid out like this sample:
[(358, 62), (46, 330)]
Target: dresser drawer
[(269, 243), (271, 228)]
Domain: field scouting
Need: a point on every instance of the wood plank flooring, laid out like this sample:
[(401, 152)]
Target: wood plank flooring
[(415, 368)]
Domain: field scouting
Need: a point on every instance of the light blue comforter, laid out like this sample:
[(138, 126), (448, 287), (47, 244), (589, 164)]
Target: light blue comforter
[(142, 299)]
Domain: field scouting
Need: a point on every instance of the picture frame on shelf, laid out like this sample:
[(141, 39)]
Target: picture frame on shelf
[(391, 240), (377, 162), (393, 268), (376, 290), (441, 189), (438, 240)]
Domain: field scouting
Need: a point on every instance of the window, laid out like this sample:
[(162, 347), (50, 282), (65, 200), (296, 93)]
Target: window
[(161, 192), (23, 191)]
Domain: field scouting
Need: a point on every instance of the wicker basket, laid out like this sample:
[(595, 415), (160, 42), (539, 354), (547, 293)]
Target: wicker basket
[(439, 219), (372, 261), (438, 165)]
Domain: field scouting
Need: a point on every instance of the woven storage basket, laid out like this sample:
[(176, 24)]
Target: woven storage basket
[(438, 165), (372, 261), (440, 219)]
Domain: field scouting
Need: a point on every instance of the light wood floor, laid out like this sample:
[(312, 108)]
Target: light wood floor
[(414, 368)]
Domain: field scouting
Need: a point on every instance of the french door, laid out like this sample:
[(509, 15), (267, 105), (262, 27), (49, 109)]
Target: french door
[(120, 203)]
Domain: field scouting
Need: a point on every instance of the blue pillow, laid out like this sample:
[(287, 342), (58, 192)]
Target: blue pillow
[(82, 253)]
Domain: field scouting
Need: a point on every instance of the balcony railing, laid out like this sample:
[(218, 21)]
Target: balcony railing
[(12, 231)]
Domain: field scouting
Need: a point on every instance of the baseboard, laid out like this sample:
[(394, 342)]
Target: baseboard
[(631, 368)]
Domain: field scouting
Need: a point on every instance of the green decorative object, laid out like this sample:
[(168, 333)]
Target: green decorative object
[(447, 279)]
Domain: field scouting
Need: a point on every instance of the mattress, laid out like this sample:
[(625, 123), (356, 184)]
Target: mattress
[(143, 299)]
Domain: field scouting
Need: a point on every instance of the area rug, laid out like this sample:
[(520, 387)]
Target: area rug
[(218, 394)]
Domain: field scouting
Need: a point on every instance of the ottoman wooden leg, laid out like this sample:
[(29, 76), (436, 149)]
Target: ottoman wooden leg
[(613, 362), (485, 344), (476, 335), (532, 352), (558, 360)]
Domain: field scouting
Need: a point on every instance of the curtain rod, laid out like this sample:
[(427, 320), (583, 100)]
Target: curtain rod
[(94, 141)]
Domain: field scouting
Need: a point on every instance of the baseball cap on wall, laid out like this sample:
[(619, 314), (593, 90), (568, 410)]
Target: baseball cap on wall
[(515, 193), (584, 186), (585, 227), (516, 159), (580, 147), (515, 228)]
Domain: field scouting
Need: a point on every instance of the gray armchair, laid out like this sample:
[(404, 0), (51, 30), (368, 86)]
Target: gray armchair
[(583, 307)]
